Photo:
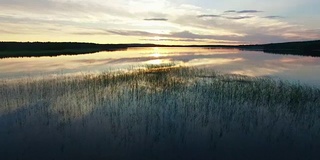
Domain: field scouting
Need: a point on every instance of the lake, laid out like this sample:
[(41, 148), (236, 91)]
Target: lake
[(190, 113), (302, 69)]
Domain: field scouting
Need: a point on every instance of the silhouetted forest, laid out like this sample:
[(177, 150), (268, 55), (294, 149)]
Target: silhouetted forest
[(306, 48), (27, 49)]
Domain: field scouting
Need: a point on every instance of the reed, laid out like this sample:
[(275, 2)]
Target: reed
[(142, 113)]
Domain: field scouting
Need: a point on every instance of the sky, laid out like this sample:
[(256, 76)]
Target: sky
[(160, 21)]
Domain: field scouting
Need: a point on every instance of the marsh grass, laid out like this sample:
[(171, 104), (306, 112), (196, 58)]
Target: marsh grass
[(207, 85), (165, 109)]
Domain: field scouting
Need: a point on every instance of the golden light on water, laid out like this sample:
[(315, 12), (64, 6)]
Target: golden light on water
[(158, 61), (165, 51), (156, 55), (214, 61)]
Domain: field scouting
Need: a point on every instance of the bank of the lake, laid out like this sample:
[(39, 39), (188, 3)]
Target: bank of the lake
[(38, 49)]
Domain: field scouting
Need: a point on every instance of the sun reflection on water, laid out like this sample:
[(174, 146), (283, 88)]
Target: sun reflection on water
[(156, 57), (157, 53), (158, 61), (253, 63)]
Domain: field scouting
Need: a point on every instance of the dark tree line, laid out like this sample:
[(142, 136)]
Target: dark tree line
[(37, 49), (307, 48), (49, 46), (22, 49)]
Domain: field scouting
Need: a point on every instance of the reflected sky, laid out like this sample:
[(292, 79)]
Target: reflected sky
[(253, 63)]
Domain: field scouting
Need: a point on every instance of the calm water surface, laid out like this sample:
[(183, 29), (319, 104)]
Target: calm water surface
[(145, 120), (301, 69)]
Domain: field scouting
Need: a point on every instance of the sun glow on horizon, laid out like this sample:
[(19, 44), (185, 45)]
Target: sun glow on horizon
[(158, 21)]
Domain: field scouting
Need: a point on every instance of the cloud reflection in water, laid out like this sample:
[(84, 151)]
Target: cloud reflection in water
[(253, 63)]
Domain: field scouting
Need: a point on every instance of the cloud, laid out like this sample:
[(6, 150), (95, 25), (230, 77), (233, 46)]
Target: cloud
[(252, 36), (228, 16), (132, 33), (249, 11), (243, 11), (8, 32), (208, 16), (182, 22), (170, 39), (64, 10), (230, 11), (186, 36), (191, 35), (273, 17), (239, 17), (207, 41), (91, 33), (156, 19), (221, 16)]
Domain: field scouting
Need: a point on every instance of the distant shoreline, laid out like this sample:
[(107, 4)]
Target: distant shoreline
[(38, 49)]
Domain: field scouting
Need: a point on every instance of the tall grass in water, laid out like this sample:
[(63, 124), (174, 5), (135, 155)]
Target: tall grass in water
[(161, 112)]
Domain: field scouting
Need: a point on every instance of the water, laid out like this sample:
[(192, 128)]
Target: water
[(302, 69), (157, 115)]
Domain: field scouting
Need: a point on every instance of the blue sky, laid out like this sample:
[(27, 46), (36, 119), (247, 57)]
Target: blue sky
[(160, 21)]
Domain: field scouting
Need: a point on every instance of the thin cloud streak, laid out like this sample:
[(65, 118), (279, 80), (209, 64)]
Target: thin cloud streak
[(132, 33), (243, 11), (273, 17), (208, 41), (239, 17), (155, 19), (230, 11), (249, 11), (208, 16), (226, 17)]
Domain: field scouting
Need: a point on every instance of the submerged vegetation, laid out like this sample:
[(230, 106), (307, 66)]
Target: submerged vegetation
[(161, 112)]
